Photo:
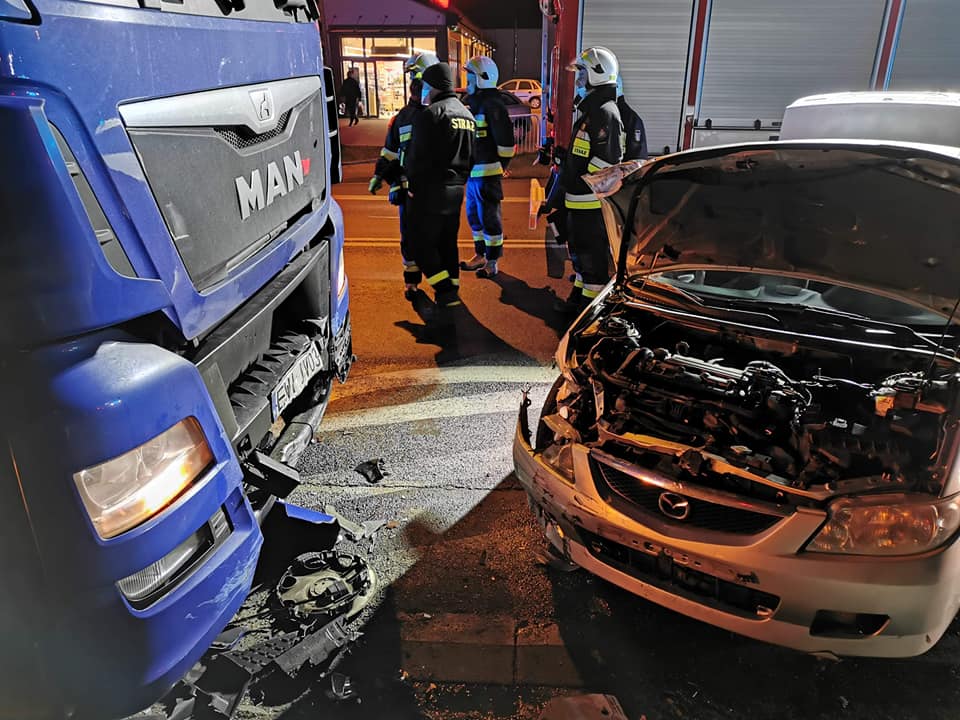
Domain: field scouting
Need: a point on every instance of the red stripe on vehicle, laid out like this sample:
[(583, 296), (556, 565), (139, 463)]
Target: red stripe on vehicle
[(699, 30), (890, 33)]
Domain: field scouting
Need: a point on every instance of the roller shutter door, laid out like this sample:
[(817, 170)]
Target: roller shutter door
[(761, 56), (928, 52), (650, 39)]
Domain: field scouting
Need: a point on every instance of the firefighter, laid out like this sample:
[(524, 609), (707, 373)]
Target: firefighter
[(636, 135), (390, 163), (435, 168), (494, 149), (596, 142)]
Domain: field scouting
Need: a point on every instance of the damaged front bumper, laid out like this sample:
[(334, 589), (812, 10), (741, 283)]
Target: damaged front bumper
[(763, 586)]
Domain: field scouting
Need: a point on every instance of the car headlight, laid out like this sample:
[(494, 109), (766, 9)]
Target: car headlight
[(128, 490), (887, 525), (560, 458)]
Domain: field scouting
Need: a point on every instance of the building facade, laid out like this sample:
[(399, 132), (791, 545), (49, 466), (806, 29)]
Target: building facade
[(376, 36)]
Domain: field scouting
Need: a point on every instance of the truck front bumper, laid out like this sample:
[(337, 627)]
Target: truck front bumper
[(764, 587), (80, 404)]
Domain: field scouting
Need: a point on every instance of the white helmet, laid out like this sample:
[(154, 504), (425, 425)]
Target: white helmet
[(417, 63), (485, 69), (596, 66)]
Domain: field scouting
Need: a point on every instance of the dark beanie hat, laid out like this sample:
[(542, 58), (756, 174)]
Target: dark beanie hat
[(439, 77)]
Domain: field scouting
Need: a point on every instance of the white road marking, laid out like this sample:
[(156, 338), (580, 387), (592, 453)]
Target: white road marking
[(480, 374), (469, 405), (471, 464)]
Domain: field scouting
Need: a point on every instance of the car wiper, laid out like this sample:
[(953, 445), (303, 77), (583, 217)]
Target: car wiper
[(816, 315)]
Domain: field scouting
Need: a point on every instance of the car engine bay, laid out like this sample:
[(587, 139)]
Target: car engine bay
[(793, 422)]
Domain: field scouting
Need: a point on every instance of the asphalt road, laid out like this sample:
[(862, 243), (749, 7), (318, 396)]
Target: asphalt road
[(441, 412)]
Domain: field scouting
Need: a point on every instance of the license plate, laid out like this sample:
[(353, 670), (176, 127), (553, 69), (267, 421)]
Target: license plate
[(296, 379)]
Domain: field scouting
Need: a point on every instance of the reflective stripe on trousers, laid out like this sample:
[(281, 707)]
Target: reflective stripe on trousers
[(586, 201), (486, 170)]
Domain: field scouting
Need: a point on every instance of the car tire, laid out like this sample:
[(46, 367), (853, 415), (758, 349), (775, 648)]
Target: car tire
[(535, 102)]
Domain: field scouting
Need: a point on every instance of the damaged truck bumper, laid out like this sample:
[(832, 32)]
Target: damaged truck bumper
[(764, 587)]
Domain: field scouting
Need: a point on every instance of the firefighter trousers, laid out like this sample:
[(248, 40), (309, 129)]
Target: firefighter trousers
[(411, 271), (484, 213), (589, 250), (433, 233)]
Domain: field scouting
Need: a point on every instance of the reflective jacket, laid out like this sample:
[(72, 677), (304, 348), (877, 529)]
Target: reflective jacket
[(440, 155), (636, 147), (495, 140), (596, 142), (390, 162)]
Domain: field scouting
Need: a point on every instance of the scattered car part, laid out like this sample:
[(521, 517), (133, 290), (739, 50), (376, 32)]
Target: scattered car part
[(583, 707), (341, 687), (373, 471), (324, 585), (357, 532), (319, 646)]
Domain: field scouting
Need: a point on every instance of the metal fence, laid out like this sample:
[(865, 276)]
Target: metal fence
[(526, 131)]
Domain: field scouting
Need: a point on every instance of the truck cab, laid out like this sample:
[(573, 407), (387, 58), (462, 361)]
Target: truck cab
[(175, 312)]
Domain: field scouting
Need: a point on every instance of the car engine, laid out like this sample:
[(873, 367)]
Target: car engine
[(787, 423)]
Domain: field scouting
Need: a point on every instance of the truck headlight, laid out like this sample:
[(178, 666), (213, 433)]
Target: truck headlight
[(341, 276), (130, 489), (887, 525)]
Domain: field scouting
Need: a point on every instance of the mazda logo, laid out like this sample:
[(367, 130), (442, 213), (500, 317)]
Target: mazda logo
[(674, 506)]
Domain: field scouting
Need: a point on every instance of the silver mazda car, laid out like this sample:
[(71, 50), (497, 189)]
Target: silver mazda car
[(756, 423)]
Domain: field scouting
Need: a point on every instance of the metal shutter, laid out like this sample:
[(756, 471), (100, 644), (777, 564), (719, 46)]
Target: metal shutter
[(650, 39), (928, 53), (761, 56)]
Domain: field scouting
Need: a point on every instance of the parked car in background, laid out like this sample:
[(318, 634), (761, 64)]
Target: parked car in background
[(528, 91), (519, 113)]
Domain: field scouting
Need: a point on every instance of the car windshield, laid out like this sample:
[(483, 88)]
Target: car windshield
[(745, 288), (849, 230)]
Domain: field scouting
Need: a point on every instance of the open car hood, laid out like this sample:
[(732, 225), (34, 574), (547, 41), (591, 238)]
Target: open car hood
[(883, 218)]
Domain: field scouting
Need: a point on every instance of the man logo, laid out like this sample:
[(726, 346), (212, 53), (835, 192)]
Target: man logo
[(251, 193), (262, 104)]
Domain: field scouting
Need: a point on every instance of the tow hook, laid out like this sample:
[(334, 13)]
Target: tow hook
[(273, 476)]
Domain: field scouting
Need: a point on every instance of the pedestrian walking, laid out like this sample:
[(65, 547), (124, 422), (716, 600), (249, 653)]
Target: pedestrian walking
[(350, 92), (495, 146), (389, 165), (635, 147), (596, 143), (436, 167)]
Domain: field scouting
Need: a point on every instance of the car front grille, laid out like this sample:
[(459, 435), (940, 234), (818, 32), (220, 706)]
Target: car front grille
[(641, 500), (663, 572)]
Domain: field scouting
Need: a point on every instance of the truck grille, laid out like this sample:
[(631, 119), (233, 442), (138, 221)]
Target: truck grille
[(242, 137), (639, 499), (227, 182)]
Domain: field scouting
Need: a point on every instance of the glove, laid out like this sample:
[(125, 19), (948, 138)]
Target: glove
[(556, 223), (376, 182), (542, 210)]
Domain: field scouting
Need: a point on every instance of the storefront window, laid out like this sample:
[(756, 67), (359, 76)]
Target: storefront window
[(424, 44), (352, 47), (389, 46)]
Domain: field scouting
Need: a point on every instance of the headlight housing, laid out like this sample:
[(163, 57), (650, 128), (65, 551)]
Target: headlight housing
[(560, 458), (128, 490), (341, 276), (887, 525)]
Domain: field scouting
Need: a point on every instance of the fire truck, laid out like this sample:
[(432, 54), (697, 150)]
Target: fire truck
[(709, 72)]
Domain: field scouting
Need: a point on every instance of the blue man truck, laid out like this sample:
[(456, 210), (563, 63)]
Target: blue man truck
[(173, 312)]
